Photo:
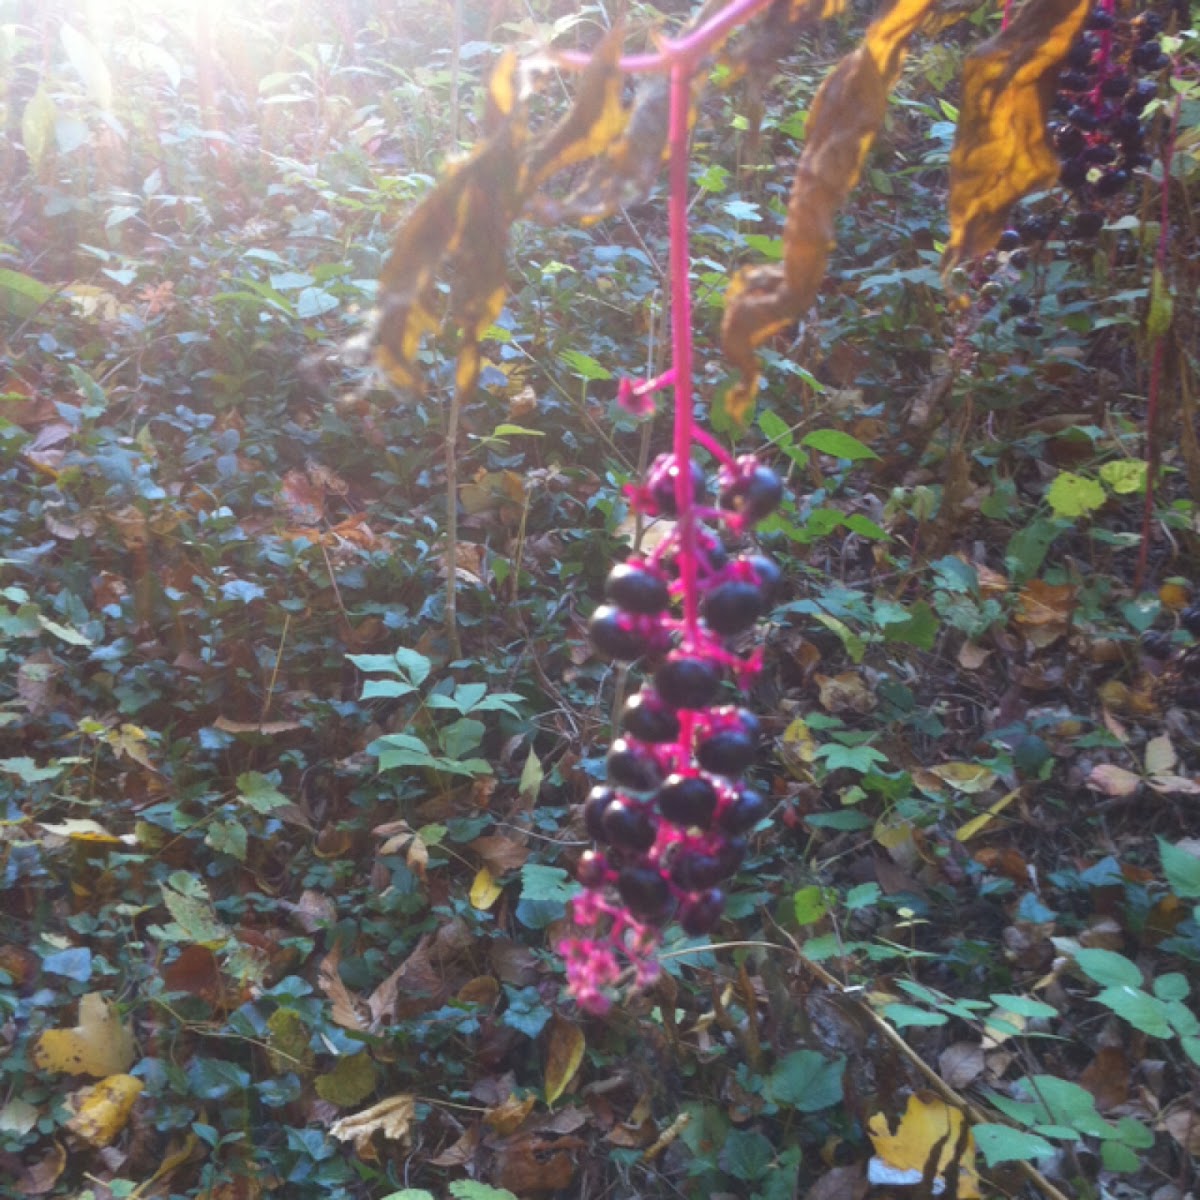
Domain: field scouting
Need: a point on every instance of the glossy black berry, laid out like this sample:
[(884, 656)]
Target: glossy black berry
[(687, 800), (1034, 230), (1098, 18), (637, 590), (1082, 117), (1080, 54), (1157, 644), (592, 869), (766, 574), (628, 825), (693, 870), (731, 855), (1101, 153), (1127, 127), (755, 494), (617, 634), (648, 718), (1075, 80), (744, 812), (685, 682), (727, 752), (1019, 259), (1144, 91), (1190, 619), (1087, 225), (732, 607), (1020, 306), (594, 808), (1010, 239), (1111, 182), (1146, 25), (1074, 173), (662, 484), (644, 891), (1115, 86), (1068, 141), (1029, 327), (698, 914), (633, 767), (1147, 54)]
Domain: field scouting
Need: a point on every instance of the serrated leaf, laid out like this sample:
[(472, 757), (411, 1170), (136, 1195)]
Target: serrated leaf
[(258, 792)]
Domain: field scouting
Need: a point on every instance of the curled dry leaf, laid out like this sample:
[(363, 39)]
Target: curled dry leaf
[(101, 1111), (99, 1045), (1113, 780), (1001, 152), (565, 1045), (391, 1118)]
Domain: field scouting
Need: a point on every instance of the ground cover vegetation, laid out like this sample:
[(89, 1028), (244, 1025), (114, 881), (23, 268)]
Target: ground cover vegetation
[(301, 727)]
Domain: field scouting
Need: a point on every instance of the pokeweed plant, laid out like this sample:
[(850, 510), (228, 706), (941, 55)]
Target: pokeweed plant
[(674, 812)]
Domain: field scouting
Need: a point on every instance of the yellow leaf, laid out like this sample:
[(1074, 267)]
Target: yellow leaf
[(1001, 152), (81, 830), (976, 824), (564, 1053), (845, 115), (485, 891), (350, 1082), (99, 1045), (392, 1118), (930, 1137), (1161, 758), (967, 777), (102, 1110)]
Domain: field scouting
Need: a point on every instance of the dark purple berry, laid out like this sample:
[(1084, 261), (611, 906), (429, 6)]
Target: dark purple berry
[(699, 914), (727, 752), (637, 590), (687, 800), (1101, 152), (1115, 86), (1076, 80), (1127, 127), (1190, 619), (617, 634), (1157, 644), (693, 870), (1020, 306), (1111, 182), (685, 682), (1136, 162), (766, 574), (1068, 141), (744, 812), (644, 891), (661, 483), (1098, 18), (594, 808), (592, 869), (1029, 327), (1034, 230), (732, 606), (1144, 91), (1010, 239), (1146, 25), (1019, 259), (1087, 225), (1083, 118), (648, 719), (731, 855), (1080, 54), (1147, 54), (755, 493), (1074, 173), (629, 826), (633, 767)]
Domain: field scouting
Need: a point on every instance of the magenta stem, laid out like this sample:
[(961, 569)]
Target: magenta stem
[(681, 52)]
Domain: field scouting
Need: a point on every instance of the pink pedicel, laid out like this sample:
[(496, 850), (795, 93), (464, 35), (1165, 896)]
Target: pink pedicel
[(672, 820)]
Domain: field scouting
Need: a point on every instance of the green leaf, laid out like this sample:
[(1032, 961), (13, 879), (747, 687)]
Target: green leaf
[(1108, 968), (416, 666), (375, 664), (904, 1015), (386, 689), (806, 1081), (774, 427), (583, 365), (27, 771), (227, 837), (469, 1189), (1182, 869), (22, 295), (1027, 548), (1172, 986), (258, 791), (1126, 476), (63, 632), (506, 429), (410, 1194), (746, 1154), (855, 758), (919, 627), (1162, 305), (188, 903), (1118, 1157), (1002, 1143), (540, 882), (37, 127), (1023, 1006), (810, 904), (862, 896), (1137, 1007), (837, 445), (351, 1081), (89, 64), (1072, 495)]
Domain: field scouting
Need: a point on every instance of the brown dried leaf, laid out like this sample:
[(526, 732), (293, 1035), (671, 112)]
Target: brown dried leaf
[(509, 1115), (845, 115), (500, 854), (416, 979), (1113, 780), (961, 1063), (303, 501), (1001, 152), (847, 692), (533, 1165), (392, 1118), (1183, 1124), (346, 1006), (40, 1178)]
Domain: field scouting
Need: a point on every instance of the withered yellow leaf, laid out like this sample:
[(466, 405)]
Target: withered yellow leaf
[(1001, 152), (350, 1082), (102, 1110), (931, 1138), (977, 824), (99, 1045), (392, 1118), (845, 116), (485, 891), (565, 1045)]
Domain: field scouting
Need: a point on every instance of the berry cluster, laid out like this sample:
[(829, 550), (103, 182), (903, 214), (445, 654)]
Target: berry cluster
[(673, 816), (1158, 643)]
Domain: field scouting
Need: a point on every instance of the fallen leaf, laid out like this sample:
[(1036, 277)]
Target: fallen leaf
[(847, 692), (345, 1011), (81, 829), (978, 824), (564, 1053), (510, 1114), (1161, 758), (102, 1110), (485, 891), (1113, 780), (350, 1082), (41, 1176), (99, 1045), (961, 1063), (534, 1164), (842, 1183), (392, 1118), (930, 1137), (1183, 1124), (967, 777), (500, 854)]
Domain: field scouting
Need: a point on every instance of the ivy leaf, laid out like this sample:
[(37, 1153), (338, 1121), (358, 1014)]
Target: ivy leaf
[(1001, 151)]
